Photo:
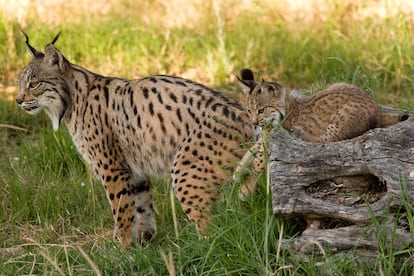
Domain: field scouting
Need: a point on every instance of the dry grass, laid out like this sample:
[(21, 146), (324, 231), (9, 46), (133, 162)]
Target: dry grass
[(189, 13)]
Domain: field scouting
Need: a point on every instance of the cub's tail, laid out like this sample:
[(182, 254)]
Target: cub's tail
[(387, 119)]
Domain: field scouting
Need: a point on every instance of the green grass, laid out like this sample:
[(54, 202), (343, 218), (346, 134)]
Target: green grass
[(54, 216)]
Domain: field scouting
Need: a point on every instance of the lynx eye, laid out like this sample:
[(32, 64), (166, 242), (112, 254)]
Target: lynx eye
[(34, 85), (261, 111)]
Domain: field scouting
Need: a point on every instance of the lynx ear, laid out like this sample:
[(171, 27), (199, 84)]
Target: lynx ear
[(247, 74), (33, 52), (279, 90), (53, 58), (246, 82)]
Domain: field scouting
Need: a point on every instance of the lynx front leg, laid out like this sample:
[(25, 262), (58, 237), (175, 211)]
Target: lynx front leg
[(141, 198), (132, 207)]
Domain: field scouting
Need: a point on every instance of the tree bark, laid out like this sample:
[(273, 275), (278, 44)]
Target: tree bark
[(353, 194)]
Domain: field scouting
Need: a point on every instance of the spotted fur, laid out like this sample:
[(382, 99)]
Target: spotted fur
[(130, 130), (340, 112)]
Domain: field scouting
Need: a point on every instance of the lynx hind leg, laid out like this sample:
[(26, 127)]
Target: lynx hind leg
[(255, 159), (196, 197), (196, 180)]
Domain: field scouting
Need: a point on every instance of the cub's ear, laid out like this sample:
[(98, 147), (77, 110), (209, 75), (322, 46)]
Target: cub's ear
[(247, 74), (53, 58), (246, 82)]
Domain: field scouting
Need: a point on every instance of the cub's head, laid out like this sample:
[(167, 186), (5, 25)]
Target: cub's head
[(42, 83), (265, 101)]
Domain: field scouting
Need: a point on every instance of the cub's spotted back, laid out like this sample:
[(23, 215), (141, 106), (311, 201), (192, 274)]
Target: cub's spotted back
[(342, 111), (130, 130)]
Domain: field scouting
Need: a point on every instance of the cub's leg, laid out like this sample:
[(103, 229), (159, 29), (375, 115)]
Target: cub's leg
[(131, 202), (304, 134), (249, 185), (254, 158), (349, 122)]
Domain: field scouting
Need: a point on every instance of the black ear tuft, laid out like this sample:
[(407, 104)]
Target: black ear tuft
[(247, 74), (55, 38), (33, 52)]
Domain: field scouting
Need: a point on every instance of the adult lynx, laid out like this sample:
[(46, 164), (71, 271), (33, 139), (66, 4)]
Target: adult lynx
[(130, 130)]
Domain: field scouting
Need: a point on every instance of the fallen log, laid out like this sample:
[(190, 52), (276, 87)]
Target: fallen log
[(353, 194)]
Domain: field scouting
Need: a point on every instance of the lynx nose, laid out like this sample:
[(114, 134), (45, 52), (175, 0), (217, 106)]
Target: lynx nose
[(19, 100)]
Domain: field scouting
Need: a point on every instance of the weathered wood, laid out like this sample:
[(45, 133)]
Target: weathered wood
[(341, 188)]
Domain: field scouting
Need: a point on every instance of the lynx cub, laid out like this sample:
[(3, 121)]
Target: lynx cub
[(342, 111), (130, 130)]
